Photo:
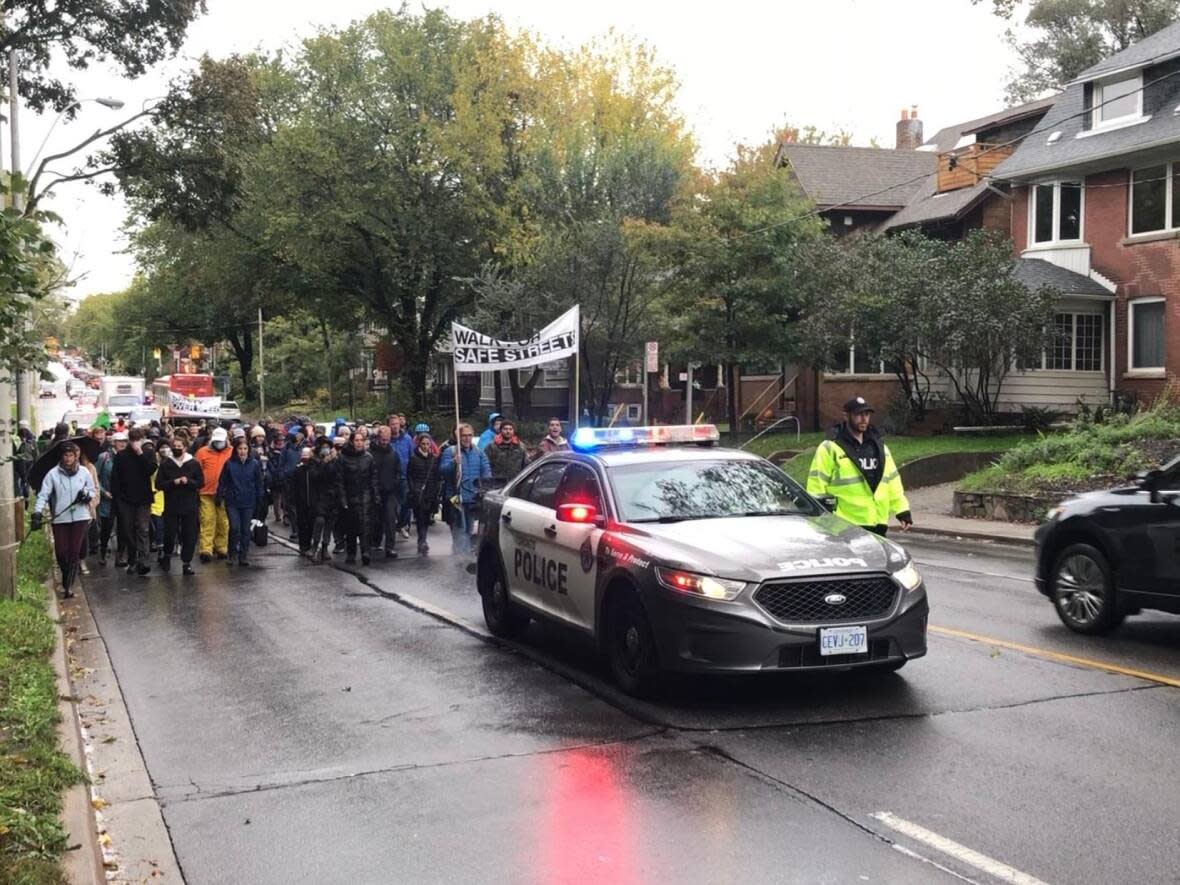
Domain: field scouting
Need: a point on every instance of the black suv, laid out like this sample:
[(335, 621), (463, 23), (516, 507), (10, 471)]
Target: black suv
[(1104, 555)]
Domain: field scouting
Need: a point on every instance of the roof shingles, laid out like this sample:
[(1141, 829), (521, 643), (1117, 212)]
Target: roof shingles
[(878, 178)]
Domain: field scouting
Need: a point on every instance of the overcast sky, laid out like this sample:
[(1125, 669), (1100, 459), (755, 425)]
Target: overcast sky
[(745, 67)]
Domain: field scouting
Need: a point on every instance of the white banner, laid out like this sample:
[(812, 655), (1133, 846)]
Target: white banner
[(474, 352), (194, 406)]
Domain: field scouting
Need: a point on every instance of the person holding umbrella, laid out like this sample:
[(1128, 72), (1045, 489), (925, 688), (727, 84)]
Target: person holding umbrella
[(66, 492)]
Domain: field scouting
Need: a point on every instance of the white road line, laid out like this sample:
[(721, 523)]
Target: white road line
[(961, 853)]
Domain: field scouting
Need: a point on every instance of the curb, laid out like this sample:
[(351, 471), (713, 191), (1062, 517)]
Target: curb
[(133, 840), (82, 861), (949, 535)]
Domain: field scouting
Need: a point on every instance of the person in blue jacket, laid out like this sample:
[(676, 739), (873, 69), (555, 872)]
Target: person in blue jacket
[(284, 471), (241, 489), (489, 433), (473, 469), (403, 443)]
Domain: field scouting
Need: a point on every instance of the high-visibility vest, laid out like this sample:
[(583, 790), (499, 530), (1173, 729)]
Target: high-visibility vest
[(834, 473)]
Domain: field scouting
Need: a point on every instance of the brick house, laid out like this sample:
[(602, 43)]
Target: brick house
[(1097, 191), (943, 187)]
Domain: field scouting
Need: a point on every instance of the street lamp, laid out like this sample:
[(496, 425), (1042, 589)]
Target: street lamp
[(113, 104)]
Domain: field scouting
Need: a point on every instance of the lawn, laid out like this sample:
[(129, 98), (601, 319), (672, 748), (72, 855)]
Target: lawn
[(903, 448), (1089, 456), (34, 773)]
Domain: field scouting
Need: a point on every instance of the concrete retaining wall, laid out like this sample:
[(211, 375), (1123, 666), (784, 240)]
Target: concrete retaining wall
[(948, 467), (1007, 508)]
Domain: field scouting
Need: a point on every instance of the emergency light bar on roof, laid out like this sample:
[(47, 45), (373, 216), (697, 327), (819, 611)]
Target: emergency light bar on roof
[(590, 438)]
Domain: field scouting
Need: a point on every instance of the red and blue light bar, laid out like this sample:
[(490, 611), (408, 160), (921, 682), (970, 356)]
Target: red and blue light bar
[(587, 439)]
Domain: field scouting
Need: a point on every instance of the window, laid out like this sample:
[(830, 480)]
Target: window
[(1077, 343), (1145, 326), (630, 375), (1056, 212), (855, 360), (1117, 100), (1153, 204), (543, 488), (580, 486)]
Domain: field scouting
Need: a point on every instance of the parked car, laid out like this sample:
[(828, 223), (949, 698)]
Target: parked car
[(230, 410), (1104, 555), (48, 390)]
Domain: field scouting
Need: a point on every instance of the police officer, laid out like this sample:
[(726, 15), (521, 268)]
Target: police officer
[(856, 468)]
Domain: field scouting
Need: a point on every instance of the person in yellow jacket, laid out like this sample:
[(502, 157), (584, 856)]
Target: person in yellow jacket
[(214, 522), (856, 468)]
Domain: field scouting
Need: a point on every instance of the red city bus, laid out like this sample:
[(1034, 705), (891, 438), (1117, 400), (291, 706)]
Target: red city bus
[(186, 396)]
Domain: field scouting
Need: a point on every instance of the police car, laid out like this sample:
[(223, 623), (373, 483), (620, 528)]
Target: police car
[(676, 555)]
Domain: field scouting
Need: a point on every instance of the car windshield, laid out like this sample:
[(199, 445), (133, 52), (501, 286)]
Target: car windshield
[(665, 491)]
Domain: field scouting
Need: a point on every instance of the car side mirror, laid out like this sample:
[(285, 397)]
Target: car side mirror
[(583, 514), (1149, 481), (829, 502)]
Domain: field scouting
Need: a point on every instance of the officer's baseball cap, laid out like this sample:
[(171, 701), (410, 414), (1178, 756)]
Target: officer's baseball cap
[(856, 405)]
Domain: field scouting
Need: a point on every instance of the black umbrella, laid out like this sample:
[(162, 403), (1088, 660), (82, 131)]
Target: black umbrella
[(52, 458)]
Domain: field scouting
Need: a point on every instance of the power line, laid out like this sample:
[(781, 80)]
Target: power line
[(995, 147)]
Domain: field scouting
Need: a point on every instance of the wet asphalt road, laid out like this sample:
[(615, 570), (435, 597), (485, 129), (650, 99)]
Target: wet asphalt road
[(306, 724)]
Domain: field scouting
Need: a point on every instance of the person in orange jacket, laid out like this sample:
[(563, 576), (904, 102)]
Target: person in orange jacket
[(214, 539)]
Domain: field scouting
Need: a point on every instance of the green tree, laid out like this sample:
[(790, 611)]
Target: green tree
[(132, 35), (29, 272), (1069, 36), (735, 300)]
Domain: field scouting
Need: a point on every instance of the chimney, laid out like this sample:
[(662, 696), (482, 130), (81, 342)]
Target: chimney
[(909, 130)]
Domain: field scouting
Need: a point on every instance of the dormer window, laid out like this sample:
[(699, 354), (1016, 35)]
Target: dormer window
[(1119, 100), (1056, 213)]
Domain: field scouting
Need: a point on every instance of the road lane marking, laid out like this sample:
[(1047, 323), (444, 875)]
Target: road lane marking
[(1058, 656), (961, 853)]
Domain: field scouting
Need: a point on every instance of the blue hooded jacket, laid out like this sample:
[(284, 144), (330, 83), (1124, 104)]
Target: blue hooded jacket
[(241, 482), (485, 438), (475, 467), (404, 446)]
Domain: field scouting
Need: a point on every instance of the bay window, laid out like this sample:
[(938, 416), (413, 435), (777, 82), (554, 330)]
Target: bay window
[(1145, 332), (1153, 205), (1056, 212), (1078, 344)]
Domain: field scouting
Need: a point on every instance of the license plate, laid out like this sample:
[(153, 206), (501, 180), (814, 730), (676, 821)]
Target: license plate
[(843, 640)]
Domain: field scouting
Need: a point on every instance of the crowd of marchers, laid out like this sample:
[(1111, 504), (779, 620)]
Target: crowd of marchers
[(205, 491)]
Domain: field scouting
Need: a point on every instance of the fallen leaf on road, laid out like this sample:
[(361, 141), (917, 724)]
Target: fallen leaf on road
[(109, 739), (98, 803)]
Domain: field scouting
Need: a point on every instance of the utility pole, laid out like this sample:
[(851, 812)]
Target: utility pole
[(688, 395), (8, 543), (261, 369), (22, 378)]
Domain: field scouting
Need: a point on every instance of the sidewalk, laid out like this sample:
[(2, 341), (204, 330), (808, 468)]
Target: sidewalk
[(931, 508)]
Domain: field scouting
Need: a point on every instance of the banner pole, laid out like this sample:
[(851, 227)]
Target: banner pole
[(577, 385)]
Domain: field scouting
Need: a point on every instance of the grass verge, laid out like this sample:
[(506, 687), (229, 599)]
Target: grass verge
[(903, 448), (1089, 456), (34, 772)]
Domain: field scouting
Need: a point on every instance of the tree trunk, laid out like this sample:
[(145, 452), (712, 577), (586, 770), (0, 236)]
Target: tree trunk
[(522, 394), (243, 346), (416, 374), (498, 391), (328, 362), (731, 398)]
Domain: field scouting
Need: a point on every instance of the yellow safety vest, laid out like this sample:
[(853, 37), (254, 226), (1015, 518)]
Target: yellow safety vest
[(834, 473)]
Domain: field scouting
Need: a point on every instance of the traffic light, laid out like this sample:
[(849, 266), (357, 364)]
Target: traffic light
[(195, 351)]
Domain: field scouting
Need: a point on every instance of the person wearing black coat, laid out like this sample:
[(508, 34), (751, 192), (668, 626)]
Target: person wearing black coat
[(132, 492), (299, 491), (389, 489), (358, 474), (423, 484), (325, 495), (180, 478)]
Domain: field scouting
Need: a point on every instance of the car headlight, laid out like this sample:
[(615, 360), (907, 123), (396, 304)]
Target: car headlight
[(700, 585), (908, 576)]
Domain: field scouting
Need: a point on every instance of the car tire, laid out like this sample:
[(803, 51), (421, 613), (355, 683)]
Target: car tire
[(1083, 591), (630, 646), (503, 617)]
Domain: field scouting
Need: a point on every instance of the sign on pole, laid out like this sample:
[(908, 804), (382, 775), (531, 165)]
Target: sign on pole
[(653, 356)]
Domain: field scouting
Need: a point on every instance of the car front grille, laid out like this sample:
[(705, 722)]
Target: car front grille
[(805, 602)]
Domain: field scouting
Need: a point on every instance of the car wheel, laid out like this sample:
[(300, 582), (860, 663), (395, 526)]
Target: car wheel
[(503, 617), (1083, 591), (630, 646)]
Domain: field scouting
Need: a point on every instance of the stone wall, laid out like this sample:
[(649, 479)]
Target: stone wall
[(1005, 508)]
